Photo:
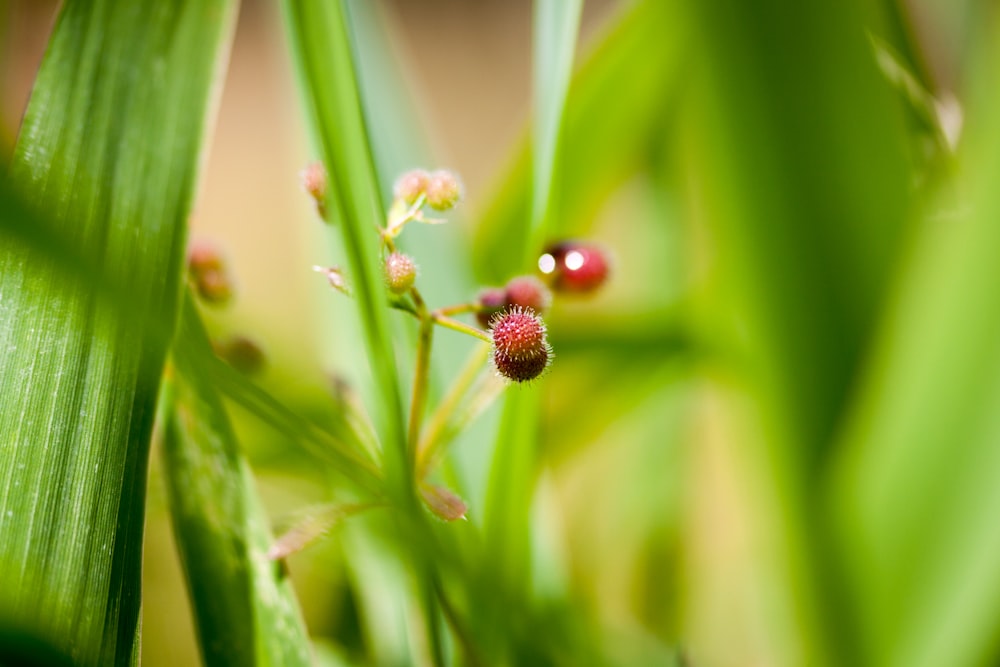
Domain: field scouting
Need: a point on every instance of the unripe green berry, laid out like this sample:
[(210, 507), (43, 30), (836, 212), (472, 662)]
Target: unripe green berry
[(520, 349), (411, 185), (443, 190), (400, 272)]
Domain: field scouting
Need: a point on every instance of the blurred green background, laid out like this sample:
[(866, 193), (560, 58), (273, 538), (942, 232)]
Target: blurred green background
[(772, 439)]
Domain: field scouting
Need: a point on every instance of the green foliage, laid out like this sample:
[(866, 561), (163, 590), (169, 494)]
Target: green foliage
[(80, 371), (776, 426), (245, 607)]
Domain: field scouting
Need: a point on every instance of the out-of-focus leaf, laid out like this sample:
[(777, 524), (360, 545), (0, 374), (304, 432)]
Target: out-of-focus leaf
[(917, 491), (803, 177), (108, 151), (348, 445), (244, 605), (325, 58), (555, 27), (617, 100)]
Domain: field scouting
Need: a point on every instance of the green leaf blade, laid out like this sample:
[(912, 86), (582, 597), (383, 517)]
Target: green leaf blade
[(245, 607), (109, 151)]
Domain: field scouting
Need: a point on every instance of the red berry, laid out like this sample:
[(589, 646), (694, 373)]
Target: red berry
[(528, 292), (520, 349), (573, 266), (491, 301)]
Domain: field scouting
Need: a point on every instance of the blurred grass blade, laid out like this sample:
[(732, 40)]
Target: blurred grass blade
[(917, 492), (347, 443), (244, 605), (805, 183), (109, 150), (513, 471), (556, 24), (636, 65), (325, 58)]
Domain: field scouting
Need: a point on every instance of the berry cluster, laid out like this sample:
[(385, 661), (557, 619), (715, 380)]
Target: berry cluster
[(509, 318), (511, 314)]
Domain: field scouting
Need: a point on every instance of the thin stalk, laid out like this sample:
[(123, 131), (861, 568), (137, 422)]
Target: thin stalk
[(428, 447), (457, 309), (421, 375), (461, 327), (455, 623)]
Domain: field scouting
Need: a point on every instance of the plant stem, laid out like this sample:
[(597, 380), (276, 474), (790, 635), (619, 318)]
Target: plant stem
[(451, 616), (421, 374), (455, 325), (428, 447), (457, 309)]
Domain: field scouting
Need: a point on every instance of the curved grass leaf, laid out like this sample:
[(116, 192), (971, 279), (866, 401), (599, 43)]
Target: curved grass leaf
[(805, 181), (916, 492), (326, 63), (244, 605), (108, 150), (636, 66), (513, 473)]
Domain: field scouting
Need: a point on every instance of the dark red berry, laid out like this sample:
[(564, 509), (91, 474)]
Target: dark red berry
[(528, 292), (489, 304), (520, 349), (572, 266)]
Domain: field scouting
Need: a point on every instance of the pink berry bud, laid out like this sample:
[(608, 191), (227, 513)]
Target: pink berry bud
[(443, 190), (207, 271), (444, 503), (489, 304), (314, 183), (520, 349), (411, 185), (400, 272), (574, 267), (528, 292)]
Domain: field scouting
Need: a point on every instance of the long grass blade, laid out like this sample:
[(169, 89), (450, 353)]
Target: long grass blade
[(326, 63), (244, 605), (917, 491), (108, 151)]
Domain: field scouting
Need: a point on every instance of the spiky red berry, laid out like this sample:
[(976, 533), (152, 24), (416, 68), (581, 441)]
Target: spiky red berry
[(573, 266), (520, 349), (411, 185), (443, 190), (528, 292), (400, 272), (489, 304)]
